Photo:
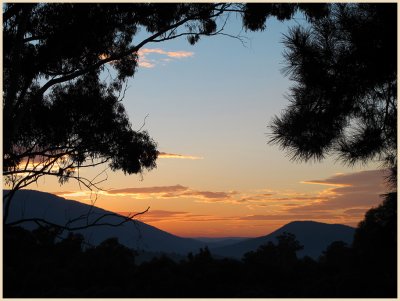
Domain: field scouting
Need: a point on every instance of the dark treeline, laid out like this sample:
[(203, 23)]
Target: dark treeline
[(36, 264)]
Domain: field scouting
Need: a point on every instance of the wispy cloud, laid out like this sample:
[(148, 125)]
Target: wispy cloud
[(156, 192), (164, 216), (164, 155), (362, 179), (345, 199), (210, 195), (148, 190), (289, 217), (360, 189), (150, 57)]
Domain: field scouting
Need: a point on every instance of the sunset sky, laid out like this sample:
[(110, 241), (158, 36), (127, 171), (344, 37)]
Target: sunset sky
[(208, 107)]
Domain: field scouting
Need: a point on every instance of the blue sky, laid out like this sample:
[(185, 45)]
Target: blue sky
[(213, 101)]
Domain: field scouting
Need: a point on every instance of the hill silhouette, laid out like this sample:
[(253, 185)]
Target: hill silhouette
[(140, 236), (37, 264), (314, 236), (135, 235)]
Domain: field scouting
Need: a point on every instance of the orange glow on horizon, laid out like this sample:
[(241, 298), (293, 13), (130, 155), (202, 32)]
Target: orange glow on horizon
[(192, 212)]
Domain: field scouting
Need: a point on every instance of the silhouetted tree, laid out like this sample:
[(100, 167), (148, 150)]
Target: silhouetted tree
[(345, 97), (273, 266), (375, 245), (344, 102), (63, 268), (60, 113), (336, 255), (282, 254)]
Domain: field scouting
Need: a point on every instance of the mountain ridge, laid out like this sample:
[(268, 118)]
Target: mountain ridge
[(135, 234), (313, 235)]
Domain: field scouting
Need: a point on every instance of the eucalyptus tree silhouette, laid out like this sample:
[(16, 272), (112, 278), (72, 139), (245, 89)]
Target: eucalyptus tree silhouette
[(66, 66)]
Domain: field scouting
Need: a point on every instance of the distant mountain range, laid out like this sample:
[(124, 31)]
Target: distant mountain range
[(137, 235), (217, 242), (314, 236)]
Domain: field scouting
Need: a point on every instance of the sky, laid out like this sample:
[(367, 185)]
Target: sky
[(208, 107)]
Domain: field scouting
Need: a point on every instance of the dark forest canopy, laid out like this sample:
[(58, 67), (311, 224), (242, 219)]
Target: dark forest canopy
[(68, 268)]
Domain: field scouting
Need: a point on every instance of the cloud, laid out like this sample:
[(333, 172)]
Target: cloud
[(81, 193), (179, 54), (356, 211), (289, 217), (362, 178), (278, 197), (154, 216), (171, 54), (360, 189), (151, 57), (343, 198), (164, 155), (148, 60), (146, 64), (209, 194), (159, 192), (147, 190)]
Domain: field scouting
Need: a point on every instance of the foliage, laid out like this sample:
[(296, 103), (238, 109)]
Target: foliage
[(375, 242), (280, 255), (66, 67), (68, 268), (256, 14), (345, 97)]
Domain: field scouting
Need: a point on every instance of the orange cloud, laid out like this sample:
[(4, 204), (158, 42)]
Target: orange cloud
[(289, 217), (344, 202), (353, 190), (146, 62), (153, 216), (356, 211), (179, 54), (164, 155), (160, 192), (171, 54), (362, 178), (148, 190), (316, 182), (210, 194)]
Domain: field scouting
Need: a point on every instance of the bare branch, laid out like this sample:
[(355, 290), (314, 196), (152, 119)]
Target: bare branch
[(121, 98), (144, 123), (97, 222), (114, 57)]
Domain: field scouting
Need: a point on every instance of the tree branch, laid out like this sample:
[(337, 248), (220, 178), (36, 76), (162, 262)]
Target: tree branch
[(114, 57), (95, 223)]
